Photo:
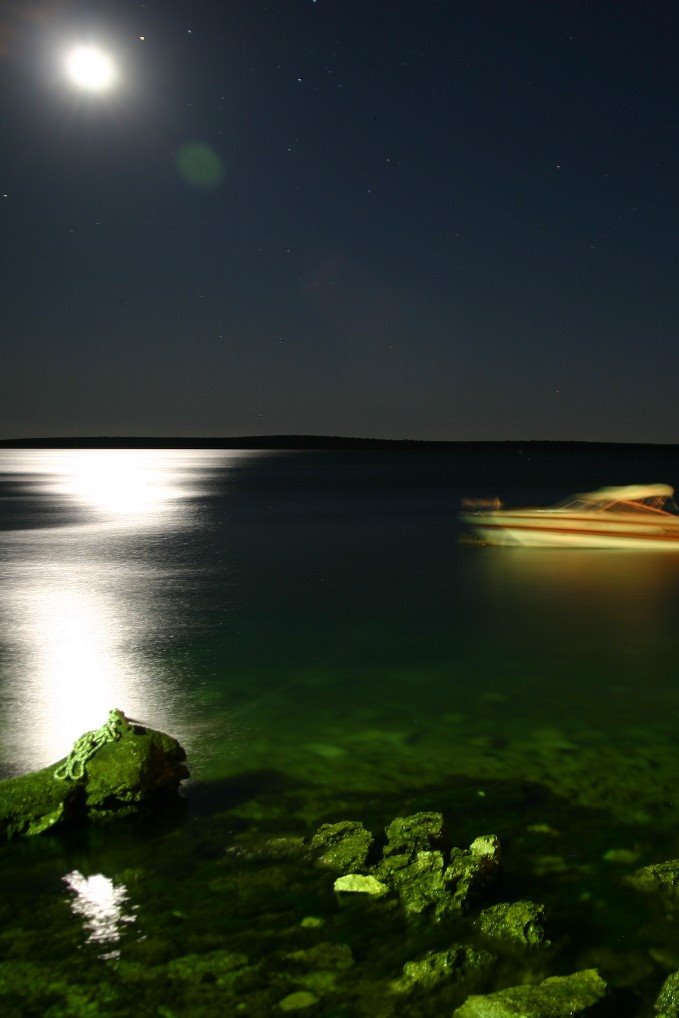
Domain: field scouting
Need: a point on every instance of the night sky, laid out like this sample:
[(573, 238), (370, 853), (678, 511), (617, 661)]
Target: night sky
[(387, 218)]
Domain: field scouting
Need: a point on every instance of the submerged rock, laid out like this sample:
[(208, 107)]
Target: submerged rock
[(517, 924), (420, 885), (556, 997), (419, 832), (426, 880), (342, 847), (357, 883), (661, 878), (298, 1001), (110, 772), (325, 955), (317, 969), (472, 869), (621, 856), (218, 967), (416, 865), (459, 964), (667, 1003)]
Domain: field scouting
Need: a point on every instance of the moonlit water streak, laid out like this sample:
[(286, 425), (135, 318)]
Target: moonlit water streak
[(81, 592)]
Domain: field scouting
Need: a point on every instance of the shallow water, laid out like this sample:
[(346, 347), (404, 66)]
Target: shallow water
[(311, 629)]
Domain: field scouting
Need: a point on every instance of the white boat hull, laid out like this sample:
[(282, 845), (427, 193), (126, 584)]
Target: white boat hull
[(545, 529)]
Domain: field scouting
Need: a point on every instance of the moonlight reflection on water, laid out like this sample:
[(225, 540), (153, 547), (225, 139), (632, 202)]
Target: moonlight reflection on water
[(102, 906), (80, 600)]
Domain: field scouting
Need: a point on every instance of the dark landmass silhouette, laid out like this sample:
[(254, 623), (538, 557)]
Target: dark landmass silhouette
[(304, 442)]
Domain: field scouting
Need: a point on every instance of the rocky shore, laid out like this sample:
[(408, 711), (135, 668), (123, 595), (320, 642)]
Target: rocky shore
[(257, 911), (348, 921)]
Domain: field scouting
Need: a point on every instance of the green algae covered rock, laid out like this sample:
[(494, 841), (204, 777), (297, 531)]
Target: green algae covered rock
[(325, 955), (357, 883), (317, 969), (27, 988), (219, 967), (517, 924), (661, 878), (144, 765), (460, 964), (426, 882), (667, 1003), (428, 877), (342, 847), (36, 802), (419, 832), (112, 771), (413, 863), (421, 886), (556, 997), (298, 1001), (429, 881), (472, 869)]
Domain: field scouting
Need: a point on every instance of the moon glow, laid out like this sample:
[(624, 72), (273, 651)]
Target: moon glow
[(90, 68)]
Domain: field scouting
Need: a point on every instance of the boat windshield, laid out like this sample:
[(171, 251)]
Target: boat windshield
[(654, 499)]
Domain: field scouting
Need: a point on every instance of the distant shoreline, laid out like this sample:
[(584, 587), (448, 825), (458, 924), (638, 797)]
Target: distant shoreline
[(308, 443)]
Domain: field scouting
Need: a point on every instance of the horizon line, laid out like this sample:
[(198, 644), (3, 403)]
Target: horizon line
[(294, 441)]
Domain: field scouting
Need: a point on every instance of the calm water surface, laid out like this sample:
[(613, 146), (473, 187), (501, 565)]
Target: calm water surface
[(192, 588), (311, 628)]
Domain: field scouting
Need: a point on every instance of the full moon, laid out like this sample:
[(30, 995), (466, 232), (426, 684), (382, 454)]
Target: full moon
[(90, 68)]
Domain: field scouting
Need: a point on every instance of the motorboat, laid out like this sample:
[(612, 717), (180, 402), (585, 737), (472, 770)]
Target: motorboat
[(633, 517)]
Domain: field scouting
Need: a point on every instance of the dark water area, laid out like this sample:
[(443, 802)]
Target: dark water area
[(314, 631)]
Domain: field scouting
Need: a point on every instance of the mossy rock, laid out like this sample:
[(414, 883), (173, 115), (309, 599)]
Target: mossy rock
[(660, 878), (137, 767), (419, 832), (517, 924), (667, 1003), (459, 964), (556, 997), (342, 847)]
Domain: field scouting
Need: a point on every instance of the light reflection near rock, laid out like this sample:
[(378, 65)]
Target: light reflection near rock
[(103, 906)]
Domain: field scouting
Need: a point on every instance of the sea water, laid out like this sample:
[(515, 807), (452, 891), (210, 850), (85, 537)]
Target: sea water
[(317, 633)]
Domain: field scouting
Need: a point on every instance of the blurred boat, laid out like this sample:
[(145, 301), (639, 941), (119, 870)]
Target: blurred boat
[(634, 517)]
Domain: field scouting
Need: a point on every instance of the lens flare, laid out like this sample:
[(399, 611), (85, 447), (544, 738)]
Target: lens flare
[(200, 164)]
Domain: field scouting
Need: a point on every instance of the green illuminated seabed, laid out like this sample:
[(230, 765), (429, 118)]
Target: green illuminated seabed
[(217, 910)]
